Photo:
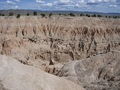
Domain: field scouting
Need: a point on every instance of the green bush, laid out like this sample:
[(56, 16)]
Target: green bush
[(3, 14), (42, 14), (81, 14), (28, 14), (60, 14), (11, 14), (65, 14), (94, 15), (99, 15), (87, 15), (115, 17), (71, 14), (109, 16), (50, 14), (35, 13), (18, 16)]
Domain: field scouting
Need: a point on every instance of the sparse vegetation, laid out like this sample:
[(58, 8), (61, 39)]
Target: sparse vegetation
[(60, 14), (99, 15), (35, 13), (18, 16), (28, 14), (115, 17), (71, 14), (64, 14), (87, 15), (3, 14), (109, 16), (11, 14), (81, 14), (50, 14), (94, 15), (43, 15)]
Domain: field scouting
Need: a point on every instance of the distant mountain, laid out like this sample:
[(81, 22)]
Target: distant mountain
[(114, 14), (24, 12)]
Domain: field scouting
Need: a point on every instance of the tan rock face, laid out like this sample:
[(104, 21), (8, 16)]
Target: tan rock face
[(16, 76), (31, 39), (35, 41), (101, 72)]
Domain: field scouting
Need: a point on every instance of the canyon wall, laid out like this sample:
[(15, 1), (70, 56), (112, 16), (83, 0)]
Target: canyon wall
[(100, 72), (83, 50), (35, 40)]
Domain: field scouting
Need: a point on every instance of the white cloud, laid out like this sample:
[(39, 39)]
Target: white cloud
[(17, 0), (16, 7), (49, 4), (99, 1), (46, 5), (74, 4), (82, 1), (40, 1), (65, 1), (114, 6), (9, 2)]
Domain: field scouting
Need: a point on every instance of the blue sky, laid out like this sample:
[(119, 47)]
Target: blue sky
[(73, 5)]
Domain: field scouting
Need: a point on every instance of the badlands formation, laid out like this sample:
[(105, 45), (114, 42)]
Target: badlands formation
[(16, 76), (84, 51)]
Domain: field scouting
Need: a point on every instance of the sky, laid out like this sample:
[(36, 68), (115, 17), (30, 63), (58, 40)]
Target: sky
[(71, 5)]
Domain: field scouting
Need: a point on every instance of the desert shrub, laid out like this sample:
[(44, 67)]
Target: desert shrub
[(115, 17), (0, 14), (18, 16), (11, 14), (71, 14), (81, 14), (50, 14), (42, 14), (64, 14), (34, 13), (3, 15), (99, 15), (60, 14), (94, 15), (87, 15), (28, 14)]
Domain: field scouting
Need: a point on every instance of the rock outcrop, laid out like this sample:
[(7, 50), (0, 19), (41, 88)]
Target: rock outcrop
[(34, 39), (101, 72), (91, 47), (16, 76)]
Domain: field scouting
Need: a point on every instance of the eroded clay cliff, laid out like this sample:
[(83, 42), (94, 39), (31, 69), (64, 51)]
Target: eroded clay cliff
[(100, 72), (36, 39), (92, 45)]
